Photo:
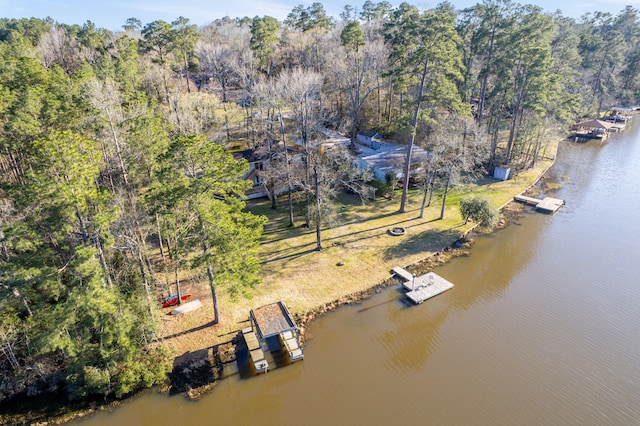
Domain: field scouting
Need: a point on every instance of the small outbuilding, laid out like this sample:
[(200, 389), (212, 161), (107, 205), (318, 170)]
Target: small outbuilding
[(370, 138), (502, 173)]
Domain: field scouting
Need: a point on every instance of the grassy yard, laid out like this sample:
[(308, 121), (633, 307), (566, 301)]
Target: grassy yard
[(358, 255)]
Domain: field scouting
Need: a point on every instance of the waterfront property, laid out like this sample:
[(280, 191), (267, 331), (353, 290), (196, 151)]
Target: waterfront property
[(423, 287), (546, 205), (272, 329), (592, 129)]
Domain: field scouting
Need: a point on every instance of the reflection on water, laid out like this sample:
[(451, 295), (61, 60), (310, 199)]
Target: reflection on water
[(540, 328)]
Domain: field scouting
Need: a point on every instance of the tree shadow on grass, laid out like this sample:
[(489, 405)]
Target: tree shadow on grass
[(276, 233), (191, 330), (442, 239), (427, 241), (293, 252)]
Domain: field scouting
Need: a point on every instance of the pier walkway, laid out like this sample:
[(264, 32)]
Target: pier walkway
[(255, 350), (546, 205)]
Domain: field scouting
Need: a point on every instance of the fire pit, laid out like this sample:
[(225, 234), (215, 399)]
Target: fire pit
[(396, 231)]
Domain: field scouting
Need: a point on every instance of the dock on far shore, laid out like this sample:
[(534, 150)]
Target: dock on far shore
[(423, 287)]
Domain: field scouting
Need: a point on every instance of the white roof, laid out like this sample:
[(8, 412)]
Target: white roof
[(390, 158)]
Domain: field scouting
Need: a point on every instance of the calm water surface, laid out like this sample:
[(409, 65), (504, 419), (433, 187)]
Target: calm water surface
[(540, 328)]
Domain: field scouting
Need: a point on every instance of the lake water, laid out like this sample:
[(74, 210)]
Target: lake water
[(542, 327)]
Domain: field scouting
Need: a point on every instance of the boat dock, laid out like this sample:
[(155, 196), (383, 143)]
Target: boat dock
[(423, 287), (546, 205), (255, 350), (273, 339)]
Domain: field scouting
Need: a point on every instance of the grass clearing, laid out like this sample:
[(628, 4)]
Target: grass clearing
[(358, 255)]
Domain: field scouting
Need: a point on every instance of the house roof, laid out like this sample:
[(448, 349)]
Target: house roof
[(368, 133), (247, 154), (390, 158), (271, 320), (594, 124)]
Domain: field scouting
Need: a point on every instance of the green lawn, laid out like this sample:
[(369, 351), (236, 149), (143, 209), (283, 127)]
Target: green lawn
[(358, 254)]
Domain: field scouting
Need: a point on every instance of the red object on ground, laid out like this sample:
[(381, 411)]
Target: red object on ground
[(173, 300)]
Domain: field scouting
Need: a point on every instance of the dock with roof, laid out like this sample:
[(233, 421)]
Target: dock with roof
[(592, 129), (272, 330)]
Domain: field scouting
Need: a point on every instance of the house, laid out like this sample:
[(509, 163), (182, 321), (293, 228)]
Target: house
[(382, 158), (389, 159), (257, 162), (330, 139), (369, 138)]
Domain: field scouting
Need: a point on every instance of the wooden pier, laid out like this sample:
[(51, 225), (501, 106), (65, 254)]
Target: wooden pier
[(423, 287), (402, 273), (546, 205), (255, 350)]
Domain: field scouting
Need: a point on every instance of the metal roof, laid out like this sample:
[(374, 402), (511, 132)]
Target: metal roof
[(271, 320), (594, 124)]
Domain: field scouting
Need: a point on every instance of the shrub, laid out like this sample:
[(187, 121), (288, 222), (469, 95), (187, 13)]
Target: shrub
[(383, 189), (479, 210)]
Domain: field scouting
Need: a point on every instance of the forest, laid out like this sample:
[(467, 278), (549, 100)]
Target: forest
[(117, 165)]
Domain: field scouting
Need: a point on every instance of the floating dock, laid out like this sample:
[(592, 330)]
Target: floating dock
[(423, 287), (546, 205)]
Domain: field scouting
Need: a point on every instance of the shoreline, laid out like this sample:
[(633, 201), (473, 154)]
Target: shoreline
[(508, 212), (199, 383)]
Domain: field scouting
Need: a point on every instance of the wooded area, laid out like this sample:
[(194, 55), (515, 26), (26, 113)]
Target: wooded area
[(116, 150)]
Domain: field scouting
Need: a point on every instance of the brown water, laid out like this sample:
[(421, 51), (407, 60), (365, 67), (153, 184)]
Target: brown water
[(540, 328)]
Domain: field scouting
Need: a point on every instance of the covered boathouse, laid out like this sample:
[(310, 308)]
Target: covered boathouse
[(591, 129), (272, 330)]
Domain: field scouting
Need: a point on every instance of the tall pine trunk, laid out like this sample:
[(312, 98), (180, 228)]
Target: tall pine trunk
[(318, 217), (427, 184), (414, 127), (287, 166), (444, 195)]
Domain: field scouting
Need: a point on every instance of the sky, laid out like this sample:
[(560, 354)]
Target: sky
[(112, 14)]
